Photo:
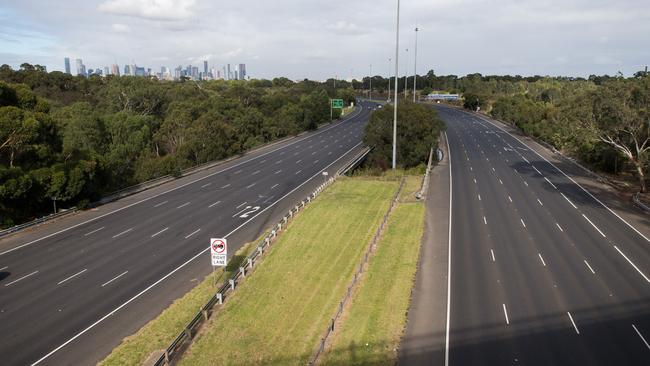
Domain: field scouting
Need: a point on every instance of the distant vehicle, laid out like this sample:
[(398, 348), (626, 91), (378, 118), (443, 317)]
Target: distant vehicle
[(379, 106)]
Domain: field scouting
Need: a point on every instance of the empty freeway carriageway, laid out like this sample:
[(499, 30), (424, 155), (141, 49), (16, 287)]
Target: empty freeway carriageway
[(68, 296), (541, 273)]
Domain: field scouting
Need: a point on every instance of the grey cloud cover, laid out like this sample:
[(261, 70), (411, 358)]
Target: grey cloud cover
[(318, 39)]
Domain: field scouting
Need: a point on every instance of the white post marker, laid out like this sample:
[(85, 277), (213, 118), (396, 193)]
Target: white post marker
[(219, 251)]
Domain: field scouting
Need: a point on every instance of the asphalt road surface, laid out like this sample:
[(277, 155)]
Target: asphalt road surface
[(541, 273), (69, 294)]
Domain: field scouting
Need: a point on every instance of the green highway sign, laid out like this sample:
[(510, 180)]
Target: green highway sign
[(337, 103)]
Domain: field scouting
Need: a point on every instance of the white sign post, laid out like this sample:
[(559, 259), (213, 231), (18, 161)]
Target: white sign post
[(219, 252)]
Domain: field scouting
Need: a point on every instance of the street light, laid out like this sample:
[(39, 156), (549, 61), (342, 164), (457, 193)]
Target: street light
[(415, 65), (371, 82), (395, 94), (389, 79), (406, 74)]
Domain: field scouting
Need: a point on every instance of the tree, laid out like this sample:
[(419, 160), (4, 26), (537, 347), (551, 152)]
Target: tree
[(622, 118), (17, 128)]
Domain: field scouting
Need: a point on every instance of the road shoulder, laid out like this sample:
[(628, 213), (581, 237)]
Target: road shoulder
[(423, 342)]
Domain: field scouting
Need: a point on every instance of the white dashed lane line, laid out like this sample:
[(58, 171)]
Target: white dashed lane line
[(94, 231), (115, 278), (160, 232), (21, 278), (71, 277), (122, 233)]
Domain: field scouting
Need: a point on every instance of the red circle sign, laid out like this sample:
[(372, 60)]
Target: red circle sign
[(219, 246)]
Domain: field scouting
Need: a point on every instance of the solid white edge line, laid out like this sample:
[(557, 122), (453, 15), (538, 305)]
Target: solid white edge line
[(183, 265), (176, 188), (73, 276), (448, 257), (592, 224), (114, 278), (574, 323), (572, 180), (591, 269), (20, 279), (641, 336), (633, 265), (505, 312)]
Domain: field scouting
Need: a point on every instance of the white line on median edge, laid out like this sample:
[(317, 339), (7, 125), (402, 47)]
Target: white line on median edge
[(114, 278), (136, 296), (448, 258)]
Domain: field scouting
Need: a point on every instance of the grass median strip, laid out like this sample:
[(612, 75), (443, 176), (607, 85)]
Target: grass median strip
[(370, 329), (278, 316)]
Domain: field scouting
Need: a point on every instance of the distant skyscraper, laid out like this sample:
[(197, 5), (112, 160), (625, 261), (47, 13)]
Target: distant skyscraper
[(81, 68), (115, 70), (195, 73), (127, 70), (229, 74), (205, 67), (242, 71), (139, 71), (106, 71), (67, 65)]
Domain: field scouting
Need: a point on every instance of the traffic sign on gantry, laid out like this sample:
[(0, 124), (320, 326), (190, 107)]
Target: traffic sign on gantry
[(219, 251)]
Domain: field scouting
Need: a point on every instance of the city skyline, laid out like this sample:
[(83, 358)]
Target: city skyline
[(317, 40)]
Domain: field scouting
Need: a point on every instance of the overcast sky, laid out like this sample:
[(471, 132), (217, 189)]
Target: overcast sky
[(319, 39)]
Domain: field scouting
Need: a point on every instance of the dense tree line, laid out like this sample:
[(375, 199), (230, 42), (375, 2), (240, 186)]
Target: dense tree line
[(76, 139), (604, 121), (418, 131)]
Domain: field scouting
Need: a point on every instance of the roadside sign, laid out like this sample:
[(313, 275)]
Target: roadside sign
[(337, 103), (219, 251)]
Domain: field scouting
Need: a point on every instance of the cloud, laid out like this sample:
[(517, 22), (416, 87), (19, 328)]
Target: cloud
[(150, 9), (346, 28), (120, 28)]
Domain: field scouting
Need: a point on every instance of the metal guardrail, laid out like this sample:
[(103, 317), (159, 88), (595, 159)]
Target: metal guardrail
[(355, 162), (137, 188), (184, 338), (638, 203), (348, 294)]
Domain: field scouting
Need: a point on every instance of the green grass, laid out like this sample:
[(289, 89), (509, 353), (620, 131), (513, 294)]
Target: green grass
[(160, 332), (372, 326), (279, 314)]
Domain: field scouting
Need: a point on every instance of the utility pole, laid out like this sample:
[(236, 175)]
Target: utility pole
[(389, 79), (370, 81), (395, 103), (406, 75), (415, 66)]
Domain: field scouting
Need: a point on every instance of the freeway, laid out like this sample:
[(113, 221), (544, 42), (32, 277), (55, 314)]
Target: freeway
[(540, 272), (71, 290)]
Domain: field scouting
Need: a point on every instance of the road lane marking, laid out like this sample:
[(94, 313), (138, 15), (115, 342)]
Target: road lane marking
[(484, 220), (278, 172), (505, 312), (94, 231), (3, 268), (206, 185), (160, 204), (250, 185), (592, 224), (540, 202), (314, 153), (522, 222), (474, 180), (263, 161), (541, 259), (298, 172), (275, 185), (315, 161), (633, 265), (591, 269), (20, 279), (241, 205), (492, 252), (500, 181), (448, 256), (479, 197), (538, 172), (214, 204), (192, 233), (183, 205), (574, 323), (526, 183), (114, 278), (237, 172), (201, 253), (122, 233), (73, 276), (509, 199), (493, 169), (559, 227), (298, 161), (549, 182), (568, 200), (278, 162), (160, 232), (526, 160), (226, 186), (255, 172), (641, 336)]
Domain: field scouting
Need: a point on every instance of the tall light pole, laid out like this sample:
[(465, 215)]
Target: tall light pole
[(406, 74), (395, 94), (415, 65), (370, 81), (389, 79)]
